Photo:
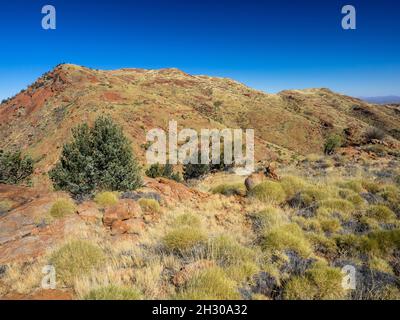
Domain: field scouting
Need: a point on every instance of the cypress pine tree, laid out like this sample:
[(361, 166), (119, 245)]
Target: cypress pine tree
[(99, 158)]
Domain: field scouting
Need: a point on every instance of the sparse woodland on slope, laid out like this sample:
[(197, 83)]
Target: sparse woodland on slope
[(331, 199)]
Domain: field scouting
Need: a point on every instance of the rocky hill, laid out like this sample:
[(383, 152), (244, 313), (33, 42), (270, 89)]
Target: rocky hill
[(291, 123)]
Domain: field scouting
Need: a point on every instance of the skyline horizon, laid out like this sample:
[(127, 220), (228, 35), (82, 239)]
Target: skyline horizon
[(12, 95), (266, 45)]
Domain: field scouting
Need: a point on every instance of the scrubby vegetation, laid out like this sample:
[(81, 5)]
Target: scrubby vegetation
[(166, 171), (14, 168), (183, 239), (374, 134), (230, 189), (332, 143), (284, 239), (76, 259), (113, 292), (98, 158), (149, 205), (62, 208), (106, 199), (269, 192), (210, 284)]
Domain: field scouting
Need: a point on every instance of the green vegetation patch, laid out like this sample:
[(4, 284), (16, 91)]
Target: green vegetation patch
[(319, 283), (230, 189), (210, 284), (106, 199), (75, 259), (113, 292), (183, 239), (268, 192), (149, 205), (62, 208), (287, 237)]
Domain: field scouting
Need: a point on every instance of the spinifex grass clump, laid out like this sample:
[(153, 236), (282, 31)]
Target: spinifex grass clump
[(268, 192), (113, 292), (319, 283), (149, 205), (106, 199), (230, 189), (183, 239), (62, 208), (210, 284), (76, 258)]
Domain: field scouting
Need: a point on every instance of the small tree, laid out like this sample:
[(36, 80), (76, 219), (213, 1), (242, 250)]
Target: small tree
[(167, 171), (194, 171), (14, 168), (154, 171), (98, 158), (333, 142)]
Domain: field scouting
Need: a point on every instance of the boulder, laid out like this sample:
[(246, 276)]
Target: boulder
[(254, 179), (89, 212), (123, 210)]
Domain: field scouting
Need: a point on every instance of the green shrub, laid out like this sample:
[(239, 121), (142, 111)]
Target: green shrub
[(332, 143), (149, 205), (75, 259), (287, 237), (14, 168), (319, 283), (62, 208), (157, 170), (269, 192), (183, 239), (194, 171), (381, 213), (210, 284), (230, 189), (106, 199), (113, 292), (98, 158)]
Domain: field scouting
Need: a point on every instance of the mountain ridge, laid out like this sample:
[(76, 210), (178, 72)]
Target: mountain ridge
[(287, 124)]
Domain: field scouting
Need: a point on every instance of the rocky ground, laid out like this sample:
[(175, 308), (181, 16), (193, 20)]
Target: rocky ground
[(286, 238)]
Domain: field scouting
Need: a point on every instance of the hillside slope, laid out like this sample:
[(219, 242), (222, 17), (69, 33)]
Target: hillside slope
[(39, 119)]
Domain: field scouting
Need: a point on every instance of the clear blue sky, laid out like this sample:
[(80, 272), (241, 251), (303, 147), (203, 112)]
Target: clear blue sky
[(269, 45)]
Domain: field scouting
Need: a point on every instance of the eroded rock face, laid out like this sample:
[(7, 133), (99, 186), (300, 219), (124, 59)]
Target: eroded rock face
[(123, 210), (22, 233), (90, 213), (41, 295)]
